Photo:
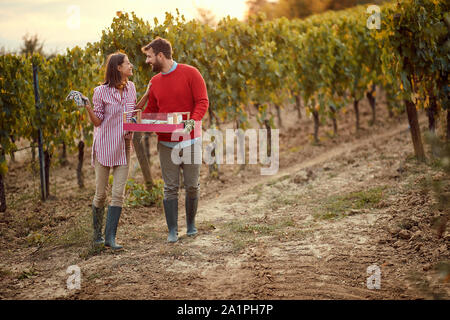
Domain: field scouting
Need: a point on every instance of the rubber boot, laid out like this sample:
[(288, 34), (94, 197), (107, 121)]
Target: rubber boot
[(97, 222), (171, 212), (191, 211), (112, 220)]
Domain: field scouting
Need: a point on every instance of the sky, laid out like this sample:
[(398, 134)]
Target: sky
[(67, 23)]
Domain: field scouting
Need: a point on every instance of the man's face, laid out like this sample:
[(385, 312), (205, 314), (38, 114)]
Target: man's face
[(154, 60)]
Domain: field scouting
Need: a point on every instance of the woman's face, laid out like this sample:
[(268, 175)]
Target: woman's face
[(126, 68)]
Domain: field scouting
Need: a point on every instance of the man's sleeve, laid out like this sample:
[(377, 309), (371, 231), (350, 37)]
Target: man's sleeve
[(200, 94), (152, 105)]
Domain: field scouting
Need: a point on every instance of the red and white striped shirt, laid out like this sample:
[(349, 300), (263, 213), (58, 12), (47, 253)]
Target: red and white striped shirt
[(109, 142)]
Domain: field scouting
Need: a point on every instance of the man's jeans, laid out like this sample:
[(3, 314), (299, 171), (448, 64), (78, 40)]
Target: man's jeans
[(171, 170)]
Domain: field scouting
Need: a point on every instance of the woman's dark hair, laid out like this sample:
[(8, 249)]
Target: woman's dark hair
[(113, 78), (160, 45)]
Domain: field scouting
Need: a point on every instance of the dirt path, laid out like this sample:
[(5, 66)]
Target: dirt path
[(308, 232), (216, 207)]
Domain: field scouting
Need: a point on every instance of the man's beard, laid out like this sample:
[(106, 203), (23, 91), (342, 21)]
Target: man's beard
[(157, 66)]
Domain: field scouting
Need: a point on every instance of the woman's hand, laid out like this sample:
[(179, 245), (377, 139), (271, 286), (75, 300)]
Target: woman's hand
[(148, 89), (128, 135), (94, 119), (86, 101)]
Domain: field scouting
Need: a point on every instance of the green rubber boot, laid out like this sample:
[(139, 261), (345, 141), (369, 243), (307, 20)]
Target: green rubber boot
[(112, 220), (97, 222), (171, 212), (191, 211)]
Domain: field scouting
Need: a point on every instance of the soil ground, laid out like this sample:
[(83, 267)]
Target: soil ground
[(308, 232)]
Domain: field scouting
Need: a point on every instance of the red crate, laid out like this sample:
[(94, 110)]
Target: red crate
[(130, 125)]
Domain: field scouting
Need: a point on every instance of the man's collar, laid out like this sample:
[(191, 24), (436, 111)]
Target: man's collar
[(174, 66)]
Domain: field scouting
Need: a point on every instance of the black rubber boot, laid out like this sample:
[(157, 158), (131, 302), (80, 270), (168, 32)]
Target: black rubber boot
[(171, 212), (191, 211), (97, 222), (112, 220)]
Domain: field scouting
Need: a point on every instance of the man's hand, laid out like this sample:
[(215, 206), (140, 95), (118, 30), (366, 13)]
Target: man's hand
[(188, 125)]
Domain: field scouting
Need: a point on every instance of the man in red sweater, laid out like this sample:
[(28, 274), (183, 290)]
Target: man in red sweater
[(177, 88)]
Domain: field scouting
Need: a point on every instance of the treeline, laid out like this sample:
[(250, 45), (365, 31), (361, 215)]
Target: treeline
[(292, 9)]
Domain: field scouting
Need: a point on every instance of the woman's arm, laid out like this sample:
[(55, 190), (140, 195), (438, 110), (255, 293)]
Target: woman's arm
[(96, 115), (144, 98), (94, 119)]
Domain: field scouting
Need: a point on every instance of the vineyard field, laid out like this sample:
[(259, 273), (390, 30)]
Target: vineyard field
[(361, 120)]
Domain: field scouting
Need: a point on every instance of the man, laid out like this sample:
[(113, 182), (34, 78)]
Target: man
[(177, 88)]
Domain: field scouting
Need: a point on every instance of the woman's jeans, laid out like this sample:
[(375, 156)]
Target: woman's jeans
[(120, 175)]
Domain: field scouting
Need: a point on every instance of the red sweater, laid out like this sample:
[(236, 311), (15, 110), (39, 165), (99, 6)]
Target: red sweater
[(182, 90)]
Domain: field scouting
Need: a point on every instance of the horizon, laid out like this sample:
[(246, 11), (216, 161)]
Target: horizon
[(18, 18)]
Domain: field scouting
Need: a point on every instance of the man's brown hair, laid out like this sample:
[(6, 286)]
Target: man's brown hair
[(160, 45)]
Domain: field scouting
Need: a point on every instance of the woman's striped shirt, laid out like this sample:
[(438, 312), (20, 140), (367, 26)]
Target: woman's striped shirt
[(109, 143)]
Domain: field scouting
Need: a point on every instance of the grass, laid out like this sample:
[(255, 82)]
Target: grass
[(282, 200), (330, 134), (94, 276), (342, 205), (242, 234), (241, 243), (206, 226), (258, 190), (383, 156), (332, 175), (149, 231), (91, 251), (37, 238), (241, 227), (27, 273), (16, 203), (173, 251), (153, 235), (79, 234), (295, 149), (5, 273), (275, 181), (273, 202)]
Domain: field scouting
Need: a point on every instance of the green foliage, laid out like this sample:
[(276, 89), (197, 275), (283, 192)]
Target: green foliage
[(138, 195), (341, 206), (16, 101), (412, 38), (327, 59), (28, 273)]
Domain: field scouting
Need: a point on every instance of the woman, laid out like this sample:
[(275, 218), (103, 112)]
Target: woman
[(111, 147)]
